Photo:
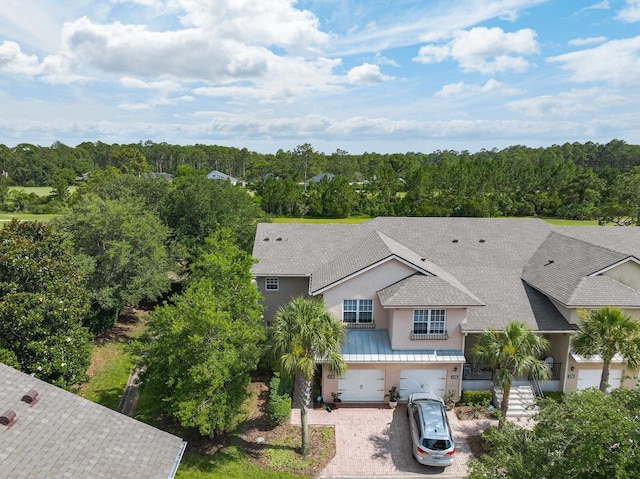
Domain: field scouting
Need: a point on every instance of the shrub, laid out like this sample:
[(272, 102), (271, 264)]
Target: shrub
[(470, 398), (557, 396), (279, 407)]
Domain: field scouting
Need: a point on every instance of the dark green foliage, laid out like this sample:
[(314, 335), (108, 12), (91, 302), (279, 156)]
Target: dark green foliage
[(42, 304), (204, 344), (279, 406), (470, 398), (557, 396), (591, 434), (199, 206), (124, 249)]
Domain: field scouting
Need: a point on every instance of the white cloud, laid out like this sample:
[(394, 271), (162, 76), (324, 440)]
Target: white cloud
[(492, 86), (616, 62), (630, 13), (367, 73), (572, 103), (12, 60), (484, 50), (580, 42), (602, 5)]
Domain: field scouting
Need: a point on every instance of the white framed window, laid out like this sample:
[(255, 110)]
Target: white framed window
[(429, 322), (357, 311), (271, 284)]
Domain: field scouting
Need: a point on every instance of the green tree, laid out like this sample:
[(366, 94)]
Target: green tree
[(198, 206), (124, 246), (130, 160), (206, 341), (607, 332), (582, 437), (60, 183), (42, 304), (512, 352), (304, 333)]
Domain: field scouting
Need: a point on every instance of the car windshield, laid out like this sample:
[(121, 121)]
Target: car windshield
[(436, 444)]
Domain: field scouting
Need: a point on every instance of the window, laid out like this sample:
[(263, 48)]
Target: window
[(429, 321), (357, 310), (271, 284)]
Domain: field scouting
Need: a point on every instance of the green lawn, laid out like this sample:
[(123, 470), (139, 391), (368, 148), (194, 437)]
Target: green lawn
[(229, 463), (351, 220), (39, 190), (561, 222), (6, 217)]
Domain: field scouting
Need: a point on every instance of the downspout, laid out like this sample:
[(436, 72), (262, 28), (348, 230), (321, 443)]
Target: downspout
[(464, 343)]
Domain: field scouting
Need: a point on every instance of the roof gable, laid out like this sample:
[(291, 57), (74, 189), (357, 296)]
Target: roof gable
[(422, 290), (560, 265)]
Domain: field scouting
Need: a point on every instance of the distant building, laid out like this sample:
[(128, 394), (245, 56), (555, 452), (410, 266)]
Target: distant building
[(156, 174), (319, 177), (218, 175)]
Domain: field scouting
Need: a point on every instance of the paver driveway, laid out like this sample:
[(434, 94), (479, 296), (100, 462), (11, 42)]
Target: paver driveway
[(374, 441)]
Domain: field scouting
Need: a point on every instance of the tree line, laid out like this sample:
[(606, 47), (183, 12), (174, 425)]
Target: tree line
[(572, 181)]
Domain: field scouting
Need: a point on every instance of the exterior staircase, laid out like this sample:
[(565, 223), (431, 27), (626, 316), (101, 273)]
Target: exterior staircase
[(521, 401)]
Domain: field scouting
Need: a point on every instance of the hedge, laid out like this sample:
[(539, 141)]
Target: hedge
[(279, 407), (470, 398)]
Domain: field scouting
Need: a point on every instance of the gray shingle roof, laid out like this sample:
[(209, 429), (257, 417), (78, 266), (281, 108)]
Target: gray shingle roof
[(560, 269), (484, 256), (64, 435), (373, 346), (423, 290)]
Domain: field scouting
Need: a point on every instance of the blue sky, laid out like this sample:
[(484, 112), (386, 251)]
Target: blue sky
[(363, 75)]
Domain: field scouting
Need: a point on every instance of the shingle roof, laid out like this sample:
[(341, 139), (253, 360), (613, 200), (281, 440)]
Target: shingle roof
[(485, 256), (64, 435), (423, 290), (365, 346), (561, 266)]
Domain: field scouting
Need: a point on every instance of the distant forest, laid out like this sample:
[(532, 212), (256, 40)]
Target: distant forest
[(573, 180)]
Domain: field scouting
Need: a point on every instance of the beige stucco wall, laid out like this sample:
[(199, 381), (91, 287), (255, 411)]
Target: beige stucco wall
[(290, 287), (626, 273), (392, 376), (365, 286), (402, 321)]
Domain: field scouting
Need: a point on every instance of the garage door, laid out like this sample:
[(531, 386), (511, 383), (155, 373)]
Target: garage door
[(362, 385), (423, 380), (590, 378)]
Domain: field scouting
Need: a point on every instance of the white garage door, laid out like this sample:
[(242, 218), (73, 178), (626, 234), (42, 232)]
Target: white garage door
[(362, 385), (423, 380), (590, 378)]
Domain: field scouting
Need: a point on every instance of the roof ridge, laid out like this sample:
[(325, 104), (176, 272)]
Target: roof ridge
[(588, 242)]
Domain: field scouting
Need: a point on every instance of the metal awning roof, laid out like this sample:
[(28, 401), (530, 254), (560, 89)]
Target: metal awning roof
[(373, 346)]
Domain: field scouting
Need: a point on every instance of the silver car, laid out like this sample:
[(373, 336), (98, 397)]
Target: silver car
[(432, 441)]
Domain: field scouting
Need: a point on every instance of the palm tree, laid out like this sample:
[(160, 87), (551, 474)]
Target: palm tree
[(607, 332), (512, 352), (304, 333)]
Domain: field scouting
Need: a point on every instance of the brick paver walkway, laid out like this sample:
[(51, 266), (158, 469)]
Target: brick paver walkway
[(374, 442)]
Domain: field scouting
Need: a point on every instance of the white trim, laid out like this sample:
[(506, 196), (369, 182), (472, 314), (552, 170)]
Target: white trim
[(358, 310), (367, 268), (616, 264)]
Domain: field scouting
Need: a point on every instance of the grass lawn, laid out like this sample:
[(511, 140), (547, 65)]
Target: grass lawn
[(111, 364), (350, 221), (229, 463), (39, 190), (6, 217), (561, 222)]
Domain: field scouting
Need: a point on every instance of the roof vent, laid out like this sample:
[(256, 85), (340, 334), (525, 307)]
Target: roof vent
[(279, 238), (31, 397), (481, 241), (266, 239), (423, 259), (455, 240), (549, 261), (8, 418)]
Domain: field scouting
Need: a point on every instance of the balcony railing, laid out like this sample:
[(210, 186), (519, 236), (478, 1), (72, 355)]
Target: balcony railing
[(475, 371), (355, 325), (432, 336)]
